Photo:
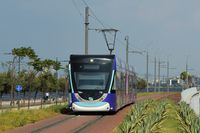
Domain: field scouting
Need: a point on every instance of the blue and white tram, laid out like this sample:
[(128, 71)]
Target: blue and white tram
[(97, 83)]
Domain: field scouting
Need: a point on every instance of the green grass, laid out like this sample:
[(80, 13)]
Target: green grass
[(13, 119), (151, 93)]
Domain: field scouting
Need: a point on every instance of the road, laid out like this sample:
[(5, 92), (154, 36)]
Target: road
[(84, 123)]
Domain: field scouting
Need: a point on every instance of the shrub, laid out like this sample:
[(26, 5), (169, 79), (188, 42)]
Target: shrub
[(160, 117)]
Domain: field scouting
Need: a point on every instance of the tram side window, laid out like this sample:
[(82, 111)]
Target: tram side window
[(118, 80), (130, 77), (123, 81)]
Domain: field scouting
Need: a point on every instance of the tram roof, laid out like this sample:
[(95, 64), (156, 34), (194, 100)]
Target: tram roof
[(92, 56)]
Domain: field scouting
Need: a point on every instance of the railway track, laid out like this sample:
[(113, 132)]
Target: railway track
[(68, 123), (84, 123), (83, 127), (52, 125), (56, 126)]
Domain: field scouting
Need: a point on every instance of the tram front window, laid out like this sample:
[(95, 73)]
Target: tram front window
[(91, 80)]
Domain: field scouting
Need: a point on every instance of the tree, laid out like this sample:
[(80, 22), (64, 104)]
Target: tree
[(2, 85), (48, 81), (141, 83), (63, 85), (187, 77), (56, 66), (21, 53), (38, 77), (184, 75), (11, 79)]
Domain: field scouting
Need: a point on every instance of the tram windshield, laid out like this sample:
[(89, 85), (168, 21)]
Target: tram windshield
[(89, 77), (91, 80)]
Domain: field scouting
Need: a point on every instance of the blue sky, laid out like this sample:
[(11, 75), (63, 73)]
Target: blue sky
[(168, 29)]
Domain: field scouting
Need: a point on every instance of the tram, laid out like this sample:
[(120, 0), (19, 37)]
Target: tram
[(99, 83)]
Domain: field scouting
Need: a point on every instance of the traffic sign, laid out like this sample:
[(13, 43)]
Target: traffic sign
[(18, 88)]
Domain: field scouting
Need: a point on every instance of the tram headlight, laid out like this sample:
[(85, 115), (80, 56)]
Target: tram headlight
[(91, 60)]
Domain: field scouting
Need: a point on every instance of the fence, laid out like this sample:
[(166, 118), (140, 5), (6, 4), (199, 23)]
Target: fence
[(30, 100), (162, 89)]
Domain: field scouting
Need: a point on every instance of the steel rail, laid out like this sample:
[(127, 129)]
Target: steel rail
[(53, 124), (87, 124)]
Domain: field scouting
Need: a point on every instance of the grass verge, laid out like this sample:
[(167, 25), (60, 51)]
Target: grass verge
[(13, 119)]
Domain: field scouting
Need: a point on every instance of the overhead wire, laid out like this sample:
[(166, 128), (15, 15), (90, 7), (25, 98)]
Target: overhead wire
[(105, 26), (86, 4), (77, 8), (98, 20), (94, 16)]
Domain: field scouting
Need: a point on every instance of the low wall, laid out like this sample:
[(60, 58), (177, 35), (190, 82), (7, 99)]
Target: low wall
[(192, 97)]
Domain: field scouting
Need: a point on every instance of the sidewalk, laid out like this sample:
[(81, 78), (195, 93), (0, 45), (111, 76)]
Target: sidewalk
[(32, 105)]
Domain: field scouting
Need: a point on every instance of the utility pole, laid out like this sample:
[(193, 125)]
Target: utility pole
[(159, 66), (86, 28), (186, 73), (147, 71), (168, 81), (127, 52), (127, 43), (19, 64), (159, 75), (167, 76), (57, 82), (155, 74)]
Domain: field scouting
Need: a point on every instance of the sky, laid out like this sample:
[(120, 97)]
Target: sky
[(167, 29)]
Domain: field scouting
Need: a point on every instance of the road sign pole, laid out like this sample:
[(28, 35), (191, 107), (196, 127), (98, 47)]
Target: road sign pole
[(18, 100), (18, 89)]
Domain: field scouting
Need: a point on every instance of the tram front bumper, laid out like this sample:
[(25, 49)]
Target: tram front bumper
[(90, 106)]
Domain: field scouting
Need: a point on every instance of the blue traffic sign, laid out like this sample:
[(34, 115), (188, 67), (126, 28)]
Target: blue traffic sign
[(18, 88)]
